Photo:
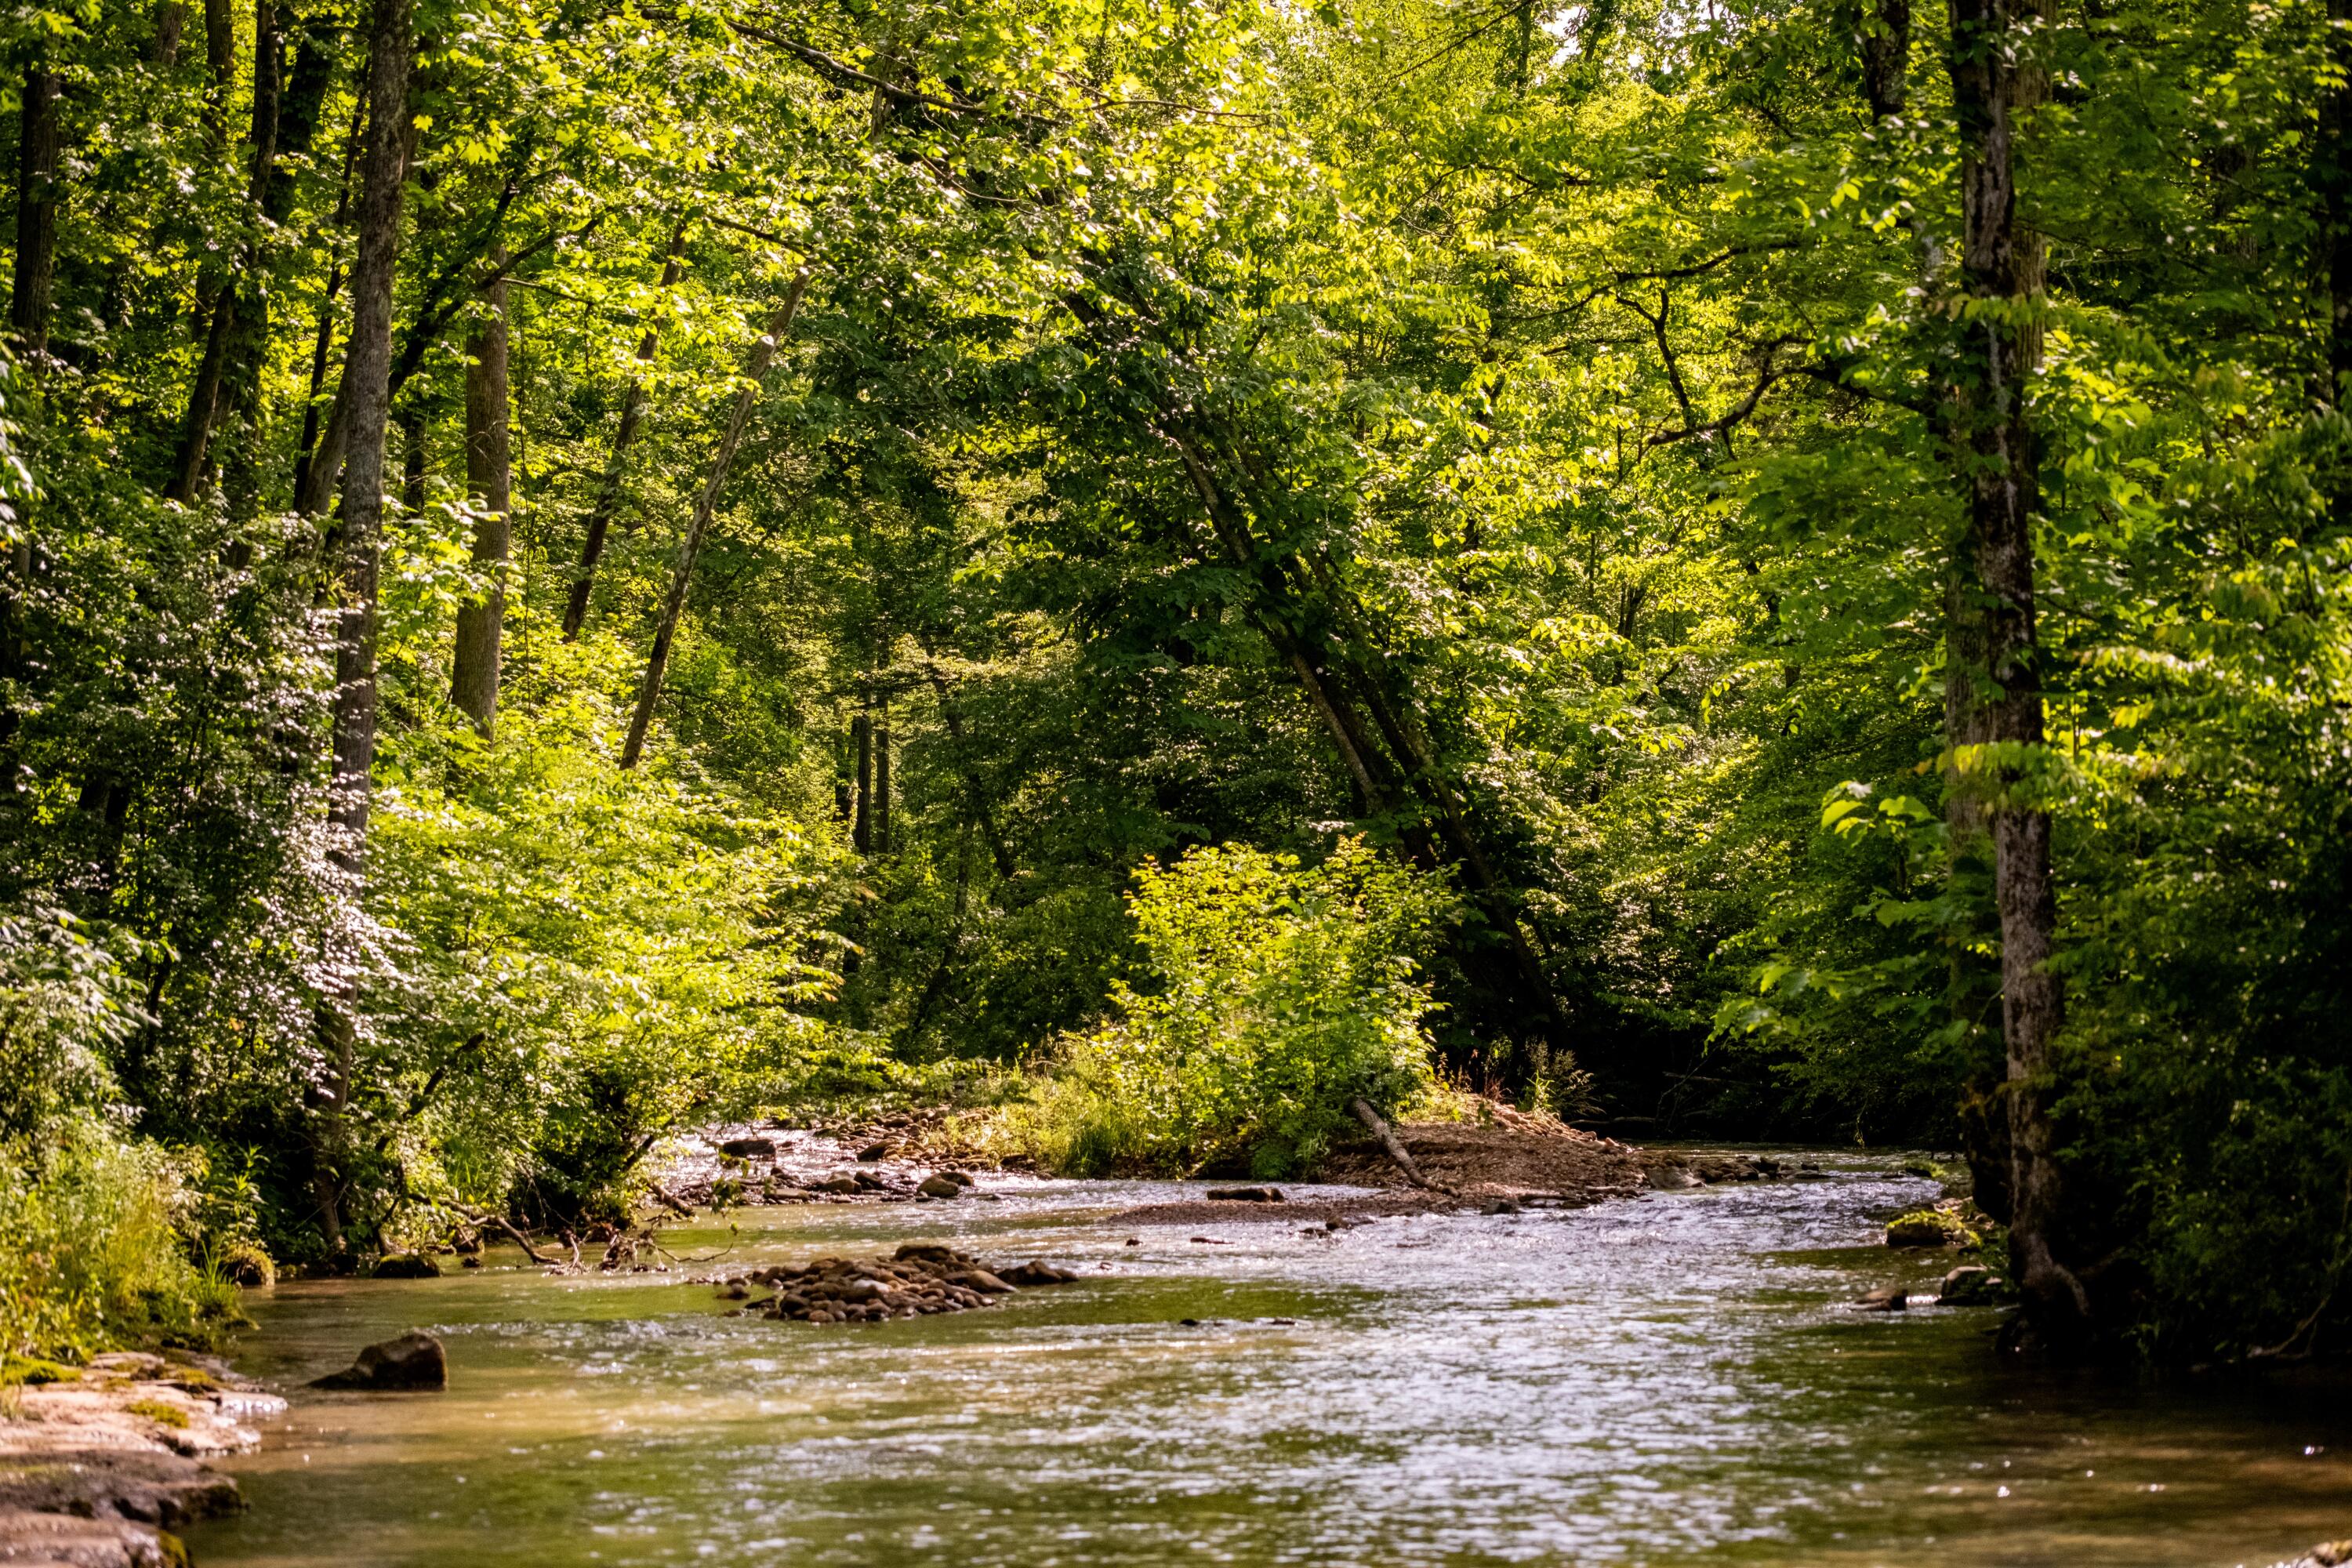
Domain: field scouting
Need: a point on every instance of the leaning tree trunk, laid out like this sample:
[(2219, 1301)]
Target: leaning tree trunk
[(36, 209), (608, 491), (1997, 346), (236, 294), (474, 679), (367, 370), (762, 355)]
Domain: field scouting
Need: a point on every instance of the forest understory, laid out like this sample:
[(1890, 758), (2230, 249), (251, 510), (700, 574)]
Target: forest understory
[(1168, 586)]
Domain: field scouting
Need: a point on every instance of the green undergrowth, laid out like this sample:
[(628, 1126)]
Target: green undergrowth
[(1275, 994), (100, 1237)]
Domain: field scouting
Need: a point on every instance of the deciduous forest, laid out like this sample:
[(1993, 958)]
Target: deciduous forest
[(1173, 578)]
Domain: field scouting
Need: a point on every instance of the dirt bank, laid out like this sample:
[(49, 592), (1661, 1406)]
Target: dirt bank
[(98, 1468)]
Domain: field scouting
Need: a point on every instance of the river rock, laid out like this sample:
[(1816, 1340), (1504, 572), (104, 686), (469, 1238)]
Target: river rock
[(1885, 1299), (843, 1185), (940, 1186), (1036, 1273), (406, 1265), (1972, 1285), (1246, 1195), (873, 1151), (413, 1361), (749, 1148)]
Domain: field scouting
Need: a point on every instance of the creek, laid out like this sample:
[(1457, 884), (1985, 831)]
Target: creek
[(1678, 1378)]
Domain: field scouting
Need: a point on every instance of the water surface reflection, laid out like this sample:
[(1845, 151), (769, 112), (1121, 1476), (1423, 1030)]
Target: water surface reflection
[(1674, 1379)]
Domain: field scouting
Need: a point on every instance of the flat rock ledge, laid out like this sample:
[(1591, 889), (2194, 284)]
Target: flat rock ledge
[(98, 1469), (920, 1279)]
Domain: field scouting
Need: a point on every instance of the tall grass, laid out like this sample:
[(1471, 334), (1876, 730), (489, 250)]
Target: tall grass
[(97, 1233)]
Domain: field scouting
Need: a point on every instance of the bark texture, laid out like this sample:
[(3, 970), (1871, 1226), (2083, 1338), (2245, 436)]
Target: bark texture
[(366, 396), (861, 743), (755, 371), (36, 209), (473, 682), (1999, 717), (237, 295)]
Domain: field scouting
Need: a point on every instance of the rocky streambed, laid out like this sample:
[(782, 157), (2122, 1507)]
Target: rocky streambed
[(100, 1465)]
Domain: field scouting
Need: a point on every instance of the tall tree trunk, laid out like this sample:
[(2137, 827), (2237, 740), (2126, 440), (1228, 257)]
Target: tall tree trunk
[(220, 69), (861, 741), (882, 778), (952, 717), (755, 371), (316, 467), (474, 679), (170, 19), (205, 397), (413, 456), (295, 110), (1998, 345), (1884, 44), (608, 490), (366, 393), (36, 209)]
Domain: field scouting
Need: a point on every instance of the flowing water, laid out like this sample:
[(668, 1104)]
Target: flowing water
[(1672, 1379)]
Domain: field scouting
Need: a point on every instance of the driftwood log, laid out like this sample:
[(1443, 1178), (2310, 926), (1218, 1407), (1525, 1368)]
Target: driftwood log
[(1389, 1140)]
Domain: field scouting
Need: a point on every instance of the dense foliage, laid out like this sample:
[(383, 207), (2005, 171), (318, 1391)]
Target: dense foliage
[(1821, 526)]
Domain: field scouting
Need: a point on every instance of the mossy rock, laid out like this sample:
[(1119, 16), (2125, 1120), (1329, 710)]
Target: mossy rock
[(158, 1412), (31, 1372), (406, 1265), (244, 1264), (1929, 1227)]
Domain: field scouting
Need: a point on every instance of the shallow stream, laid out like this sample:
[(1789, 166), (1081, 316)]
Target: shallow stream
[(1672, 1379)]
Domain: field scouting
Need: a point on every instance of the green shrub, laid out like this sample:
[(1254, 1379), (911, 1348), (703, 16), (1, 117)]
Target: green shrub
[(96, 1237), (1278, 994)]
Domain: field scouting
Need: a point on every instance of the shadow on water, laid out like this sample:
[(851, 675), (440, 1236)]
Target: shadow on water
[(1672, 1379)]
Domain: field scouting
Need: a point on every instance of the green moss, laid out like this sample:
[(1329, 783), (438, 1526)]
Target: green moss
[(28, 1371), (158, 1412)]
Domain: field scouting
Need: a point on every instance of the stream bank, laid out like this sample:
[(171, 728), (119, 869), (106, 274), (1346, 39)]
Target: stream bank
[(100, 1467)]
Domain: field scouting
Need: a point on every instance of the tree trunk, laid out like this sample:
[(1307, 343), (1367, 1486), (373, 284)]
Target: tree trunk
[(952, 717), (164, 49), (220, 69), (298, 99), (36, 209), (319, 459), (861, 741), (755, 371), (474, 680), (882, 778), (1995, 355), (1885, 49), (413, 459), (608, 491), (366, 395), (205, 397)]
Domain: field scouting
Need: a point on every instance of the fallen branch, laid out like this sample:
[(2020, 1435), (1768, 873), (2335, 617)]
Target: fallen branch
[(486, 1216), (1393, 1145), (662, 1196)]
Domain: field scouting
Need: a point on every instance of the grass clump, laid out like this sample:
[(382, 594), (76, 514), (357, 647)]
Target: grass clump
[(97, 1234)]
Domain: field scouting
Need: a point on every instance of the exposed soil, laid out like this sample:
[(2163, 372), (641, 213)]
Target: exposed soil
[(1514, 1156), (96, 1470)]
